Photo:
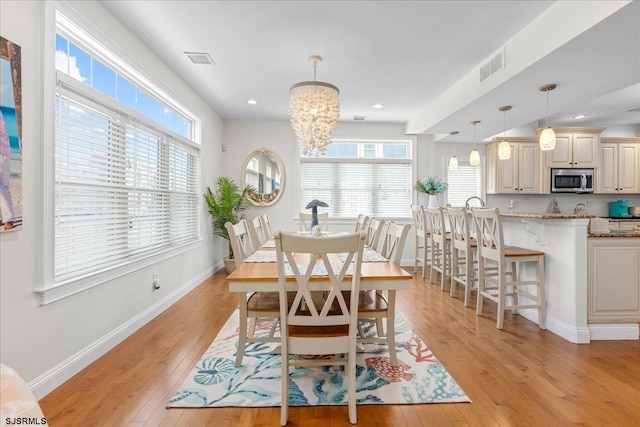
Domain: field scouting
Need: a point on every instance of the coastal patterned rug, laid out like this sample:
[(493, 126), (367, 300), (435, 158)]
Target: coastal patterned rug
[(215, 382)]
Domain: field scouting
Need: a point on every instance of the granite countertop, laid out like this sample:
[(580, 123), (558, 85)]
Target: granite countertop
[(616, 233), (545, 215)]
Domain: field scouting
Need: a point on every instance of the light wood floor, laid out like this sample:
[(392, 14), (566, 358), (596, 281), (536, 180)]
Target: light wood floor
[(520, 376)]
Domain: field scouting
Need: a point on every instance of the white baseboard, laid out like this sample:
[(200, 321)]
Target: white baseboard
[(54, 377), (614, 331), (574, 334)]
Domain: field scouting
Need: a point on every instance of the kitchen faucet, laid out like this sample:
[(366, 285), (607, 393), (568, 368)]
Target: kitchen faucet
[(482, 203)]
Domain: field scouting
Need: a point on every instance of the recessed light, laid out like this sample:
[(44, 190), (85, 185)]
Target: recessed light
[(378, 106), (580, 116), (252, 102)]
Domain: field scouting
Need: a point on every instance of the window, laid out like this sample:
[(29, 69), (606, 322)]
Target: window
[(464, 182), (126, 166), (360, 177)]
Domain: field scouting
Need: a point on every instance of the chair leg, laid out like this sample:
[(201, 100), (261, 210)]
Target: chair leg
[(455, 271), (542, 311), (252, 327), (515, 277), (242, 337), (351, 387), (468, 280), (481, 284), (391, 327), (284, 402), (501, 297)]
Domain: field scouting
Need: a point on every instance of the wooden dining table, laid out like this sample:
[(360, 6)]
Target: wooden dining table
[(263, 277)]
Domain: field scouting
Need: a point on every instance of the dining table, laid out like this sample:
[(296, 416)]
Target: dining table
[(259, 273)]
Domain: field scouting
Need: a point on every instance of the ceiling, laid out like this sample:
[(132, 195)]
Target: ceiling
[(420, 59)]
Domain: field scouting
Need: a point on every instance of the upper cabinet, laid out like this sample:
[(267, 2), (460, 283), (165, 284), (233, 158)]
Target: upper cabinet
[(619, 166), (520, 174), (575, 148)]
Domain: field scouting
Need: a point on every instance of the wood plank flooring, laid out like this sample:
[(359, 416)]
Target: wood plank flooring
[(520, 376)]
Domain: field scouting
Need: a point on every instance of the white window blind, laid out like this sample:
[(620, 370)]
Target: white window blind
[(375, 186), (464, 182), (123, 188)]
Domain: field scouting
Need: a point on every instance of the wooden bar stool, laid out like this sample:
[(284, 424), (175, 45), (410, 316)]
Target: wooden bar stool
[(496, 287), (422, 251), (463, 253), (440, 245)]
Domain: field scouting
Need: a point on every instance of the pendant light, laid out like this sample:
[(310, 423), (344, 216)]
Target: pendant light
[(453, 161), (504, 149), (474, 157), (548, 136)]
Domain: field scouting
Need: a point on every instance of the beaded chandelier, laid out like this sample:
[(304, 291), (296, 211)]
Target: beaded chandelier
[(314, 108)]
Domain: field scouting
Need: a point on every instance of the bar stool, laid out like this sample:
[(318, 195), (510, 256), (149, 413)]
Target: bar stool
[(496, 287), (463, 253), (422, 251), (440, 245)]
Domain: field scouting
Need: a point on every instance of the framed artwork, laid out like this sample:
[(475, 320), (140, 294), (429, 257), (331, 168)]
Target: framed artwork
[(10, 137)]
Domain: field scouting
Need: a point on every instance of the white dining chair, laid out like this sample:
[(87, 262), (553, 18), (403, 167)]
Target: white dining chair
[(312, 326), (374, 306), (305, 221), (256, 231), (362, 222), (374, 231), (266, 226), (260, 306)]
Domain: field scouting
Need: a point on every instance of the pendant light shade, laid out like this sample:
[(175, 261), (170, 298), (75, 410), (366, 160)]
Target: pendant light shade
[(453, 161), (474, 157), (504, 149), (314, 108), (548, 136)]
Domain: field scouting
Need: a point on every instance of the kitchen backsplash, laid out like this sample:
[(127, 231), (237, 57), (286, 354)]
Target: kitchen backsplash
[(597, 204)]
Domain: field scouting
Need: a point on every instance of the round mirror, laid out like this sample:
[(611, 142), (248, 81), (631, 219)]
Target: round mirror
[(263, 170)]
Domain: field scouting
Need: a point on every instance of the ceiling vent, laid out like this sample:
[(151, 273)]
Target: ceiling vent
[(635, 110), (492, 66), (359, 118), (199, 58)]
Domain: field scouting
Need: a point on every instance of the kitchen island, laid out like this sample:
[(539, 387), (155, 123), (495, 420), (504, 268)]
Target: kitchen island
[(564, 239)]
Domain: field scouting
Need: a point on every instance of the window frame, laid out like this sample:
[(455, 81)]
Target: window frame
[(51, 291), (360, 158), (464, 160)]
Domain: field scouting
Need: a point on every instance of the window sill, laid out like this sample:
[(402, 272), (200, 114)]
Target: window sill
[(71, 287)]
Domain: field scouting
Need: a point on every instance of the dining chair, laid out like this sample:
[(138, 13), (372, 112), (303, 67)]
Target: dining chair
[(373, 306), (362, 222), (266, 226), (374, 231), (422, 246), (260, 305), (312, 326), (440, 245), (508, 294), (256, 231), (305, 221), (463, 253)]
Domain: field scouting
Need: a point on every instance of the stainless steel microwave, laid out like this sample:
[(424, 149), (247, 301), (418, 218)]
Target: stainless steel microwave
[(572, 180)]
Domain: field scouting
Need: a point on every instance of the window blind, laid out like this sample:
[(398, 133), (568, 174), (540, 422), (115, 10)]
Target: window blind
[(464, 182), (123, 189), (380, 188)]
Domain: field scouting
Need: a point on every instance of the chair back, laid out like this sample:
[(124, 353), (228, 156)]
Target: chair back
[(394, 241), (436, 223), (460, 230), (305, 221), (362, 223), (489, 233), (266, 226), (240, 241), (256, 231), (374, 231), (300, 258), (420, 221)]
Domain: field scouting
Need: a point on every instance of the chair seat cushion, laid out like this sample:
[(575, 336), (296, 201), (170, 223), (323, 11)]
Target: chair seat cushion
[(370, 301), (267, 301), (318, 331), (516, 251)]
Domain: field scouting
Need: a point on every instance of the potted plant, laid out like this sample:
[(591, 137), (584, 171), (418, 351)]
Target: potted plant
[(226, 206), (432, 186)]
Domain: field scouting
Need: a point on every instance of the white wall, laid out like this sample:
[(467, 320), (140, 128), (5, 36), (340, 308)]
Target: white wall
[(47, 344)]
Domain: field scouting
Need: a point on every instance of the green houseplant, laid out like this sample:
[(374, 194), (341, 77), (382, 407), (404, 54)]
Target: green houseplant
[(226, 205)]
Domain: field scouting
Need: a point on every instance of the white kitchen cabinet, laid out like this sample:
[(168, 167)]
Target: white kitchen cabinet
[(623, 225), (613, 280), (521, 174), (619, 166), (575, 148)]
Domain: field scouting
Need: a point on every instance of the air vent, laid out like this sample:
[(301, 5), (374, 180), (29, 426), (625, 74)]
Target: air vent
[(492, 66), (635, 110), (199, 58), (359, 118)]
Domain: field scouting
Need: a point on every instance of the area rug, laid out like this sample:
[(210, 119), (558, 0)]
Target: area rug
[(215, 382)]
